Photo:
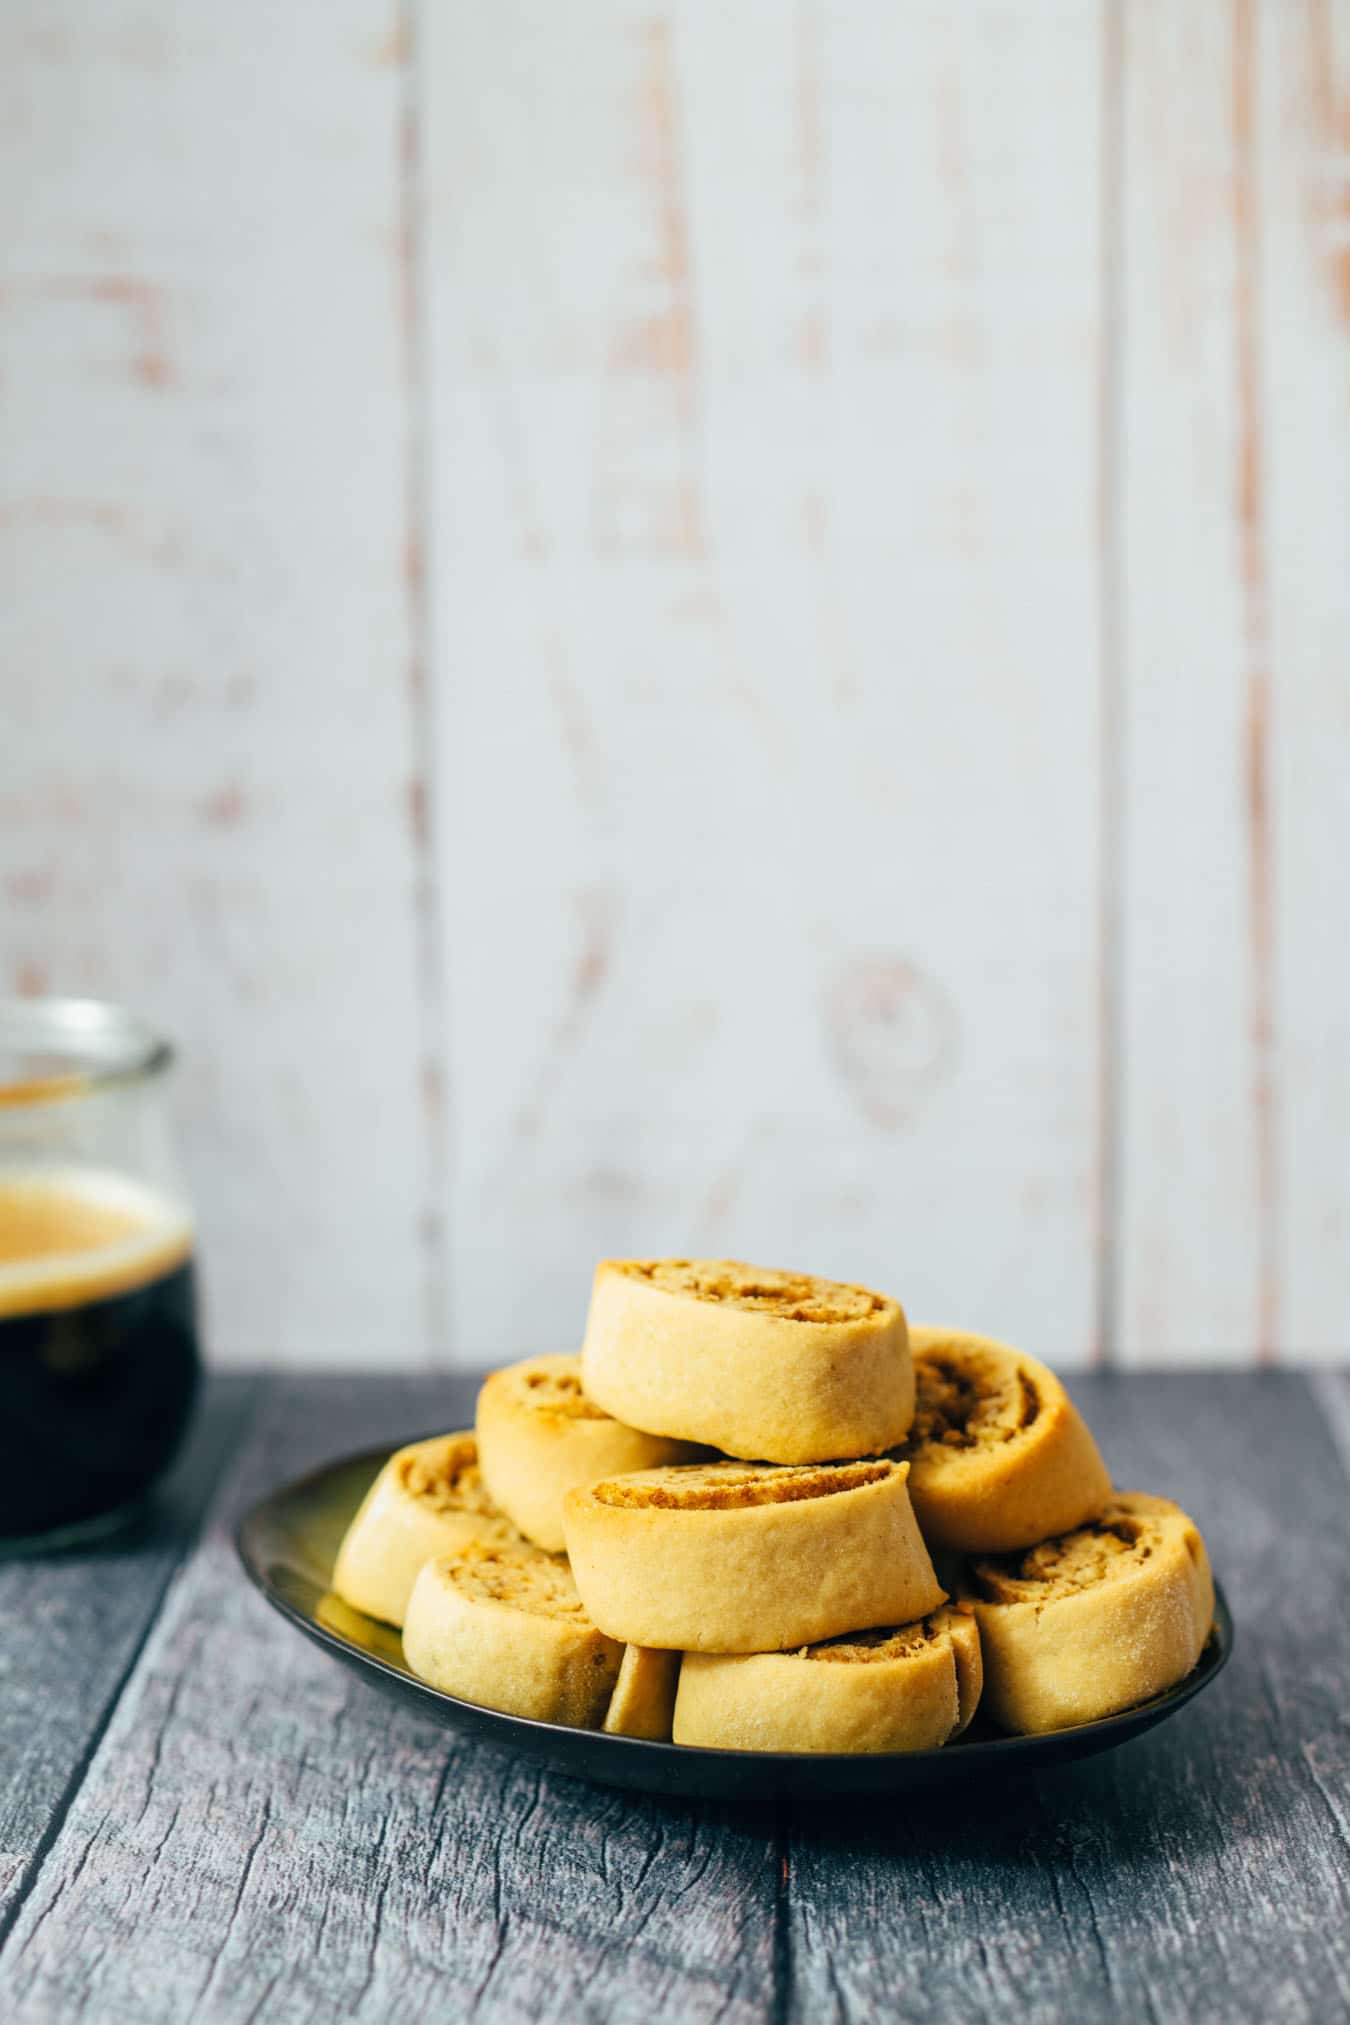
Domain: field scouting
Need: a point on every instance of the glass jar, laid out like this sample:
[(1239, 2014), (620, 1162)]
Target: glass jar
[(99, 1358)]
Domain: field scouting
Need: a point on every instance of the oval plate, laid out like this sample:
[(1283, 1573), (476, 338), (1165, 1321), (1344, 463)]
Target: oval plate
[(288, 1543)]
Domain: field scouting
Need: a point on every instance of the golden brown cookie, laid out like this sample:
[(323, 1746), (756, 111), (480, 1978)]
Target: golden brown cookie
[(999, 1456), (504, 1626), (906, 1688), (729, 1557), (428, 1498), (539, 1434), (1095, 1620), (772, 1366), (643, 1701)]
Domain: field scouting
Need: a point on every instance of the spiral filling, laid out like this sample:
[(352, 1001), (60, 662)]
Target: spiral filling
[(969, 1404), (542, 1586), (792, 1297), (446, 1478), (559, 1393), (1110, 1547), (902, 1641), (725, 1487)]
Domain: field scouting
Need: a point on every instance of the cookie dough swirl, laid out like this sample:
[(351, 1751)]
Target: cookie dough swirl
[(428, 1498), (504, 1626), (727, 1557), (539, 1434), (1095, 1621), (999, 1456), (906, 1688), (768, 1365)]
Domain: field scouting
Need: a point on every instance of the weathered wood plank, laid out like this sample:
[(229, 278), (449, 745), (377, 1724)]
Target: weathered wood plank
[(1235, 517), (1301, 84), (259, 1834), (765, 676), (1191, 1265), (73, 1626), (256, 1833), (765, 447), (1331, 1390), (210, 799), (1201, 1873)]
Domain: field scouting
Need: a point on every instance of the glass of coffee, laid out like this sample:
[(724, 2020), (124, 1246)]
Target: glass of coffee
[(99, 1361)]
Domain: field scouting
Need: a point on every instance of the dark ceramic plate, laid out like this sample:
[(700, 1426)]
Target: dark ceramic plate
[(288, 1543)]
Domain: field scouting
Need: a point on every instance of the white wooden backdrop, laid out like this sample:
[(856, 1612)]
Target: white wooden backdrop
[(697, 627)]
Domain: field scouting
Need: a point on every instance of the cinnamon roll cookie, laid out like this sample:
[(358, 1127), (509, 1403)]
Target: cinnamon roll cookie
[(428, 1498), (725, 1557), (999, 1456), (906, 1688), (504, 1626), (539, 1434), (772, 1366), (643, 1701), (1095, 1620)]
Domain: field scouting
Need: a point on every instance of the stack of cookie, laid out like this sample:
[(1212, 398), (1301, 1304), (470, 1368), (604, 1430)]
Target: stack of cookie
[(760, 1513)]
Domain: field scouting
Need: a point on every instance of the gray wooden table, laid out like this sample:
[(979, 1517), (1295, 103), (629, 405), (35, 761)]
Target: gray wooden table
[(203, 1817)]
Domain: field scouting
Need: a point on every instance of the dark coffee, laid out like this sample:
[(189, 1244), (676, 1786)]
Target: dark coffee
[(99, 1360)]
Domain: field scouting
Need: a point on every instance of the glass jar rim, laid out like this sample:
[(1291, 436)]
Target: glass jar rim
[(87, 1044)]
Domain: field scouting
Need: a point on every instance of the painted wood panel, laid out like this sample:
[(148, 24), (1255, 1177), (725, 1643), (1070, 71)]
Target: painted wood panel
[(1235, 519), (1193, 1271), (207, 798), (683, 627), (764, 464), (1301, 68)]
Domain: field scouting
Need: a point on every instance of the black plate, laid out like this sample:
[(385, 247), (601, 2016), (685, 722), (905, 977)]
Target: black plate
[(288, 1543)]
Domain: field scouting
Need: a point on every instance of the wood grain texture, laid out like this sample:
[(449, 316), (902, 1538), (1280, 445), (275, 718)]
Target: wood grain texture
[(1301, 65), (259, 1836), (654, 628), (1235, 381), (207, 803), (74, 1626), (766, 563), (1202, 1873), (1191, 1259), (1331, 1390)]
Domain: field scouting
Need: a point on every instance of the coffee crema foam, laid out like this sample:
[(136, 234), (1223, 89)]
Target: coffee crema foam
[(70, 1236)]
